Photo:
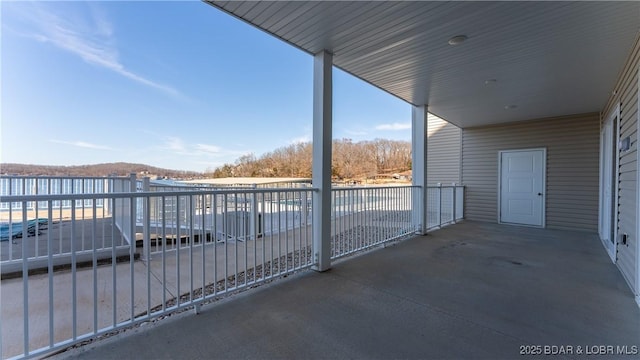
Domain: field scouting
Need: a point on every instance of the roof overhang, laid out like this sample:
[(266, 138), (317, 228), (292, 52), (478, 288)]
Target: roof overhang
[(521, 60)]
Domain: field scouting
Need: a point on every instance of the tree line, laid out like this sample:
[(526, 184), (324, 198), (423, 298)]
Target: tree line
[(350, 160), (108, 169)]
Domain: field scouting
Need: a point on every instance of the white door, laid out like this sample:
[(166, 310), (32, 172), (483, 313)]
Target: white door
[(522, 186), (608, 180)]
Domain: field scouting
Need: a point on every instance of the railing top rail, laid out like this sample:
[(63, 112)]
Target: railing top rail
[(373, 187), (395, 187), (61, 177), (197, 187), (127, 195)]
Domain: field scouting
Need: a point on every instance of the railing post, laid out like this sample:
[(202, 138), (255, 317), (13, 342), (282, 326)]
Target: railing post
[(253, 214), (461, 212), (146, 221), (305, 207), (453, 201), (133, 213), (133, 188), (439, 204), (132, 182)]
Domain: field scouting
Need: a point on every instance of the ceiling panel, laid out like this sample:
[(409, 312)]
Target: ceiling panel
[(548, 58)]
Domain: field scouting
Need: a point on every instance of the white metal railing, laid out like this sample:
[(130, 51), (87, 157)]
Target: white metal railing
[(227, 216), (232, 239), (56, 213), (46, 185), (152, 252), (363, 217), (123, 210), (445, 205)]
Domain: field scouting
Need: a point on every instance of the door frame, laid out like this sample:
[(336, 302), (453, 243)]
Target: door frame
[(638, 199), (544, 185), (614, 118)]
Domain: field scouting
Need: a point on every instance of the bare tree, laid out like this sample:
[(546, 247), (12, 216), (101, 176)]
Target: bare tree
[(351, 160)]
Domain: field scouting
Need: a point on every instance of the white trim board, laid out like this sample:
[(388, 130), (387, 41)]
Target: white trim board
[(611, 120), (638, 198)]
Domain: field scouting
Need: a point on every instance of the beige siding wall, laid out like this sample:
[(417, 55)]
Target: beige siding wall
[(626, 95), (572, 145), (443, 151)]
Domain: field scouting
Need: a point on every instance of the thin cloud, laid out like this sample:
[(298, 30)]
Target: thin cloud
[(90, 38), (82, 144), (300, 139), (176, 145), (356, 132), (210, 149), (394, 126)]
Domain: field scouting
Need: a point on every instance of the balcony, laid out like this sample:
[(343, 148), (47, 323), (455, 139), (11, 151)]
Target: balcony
[(95, 262), (473, 290), (469, 290)]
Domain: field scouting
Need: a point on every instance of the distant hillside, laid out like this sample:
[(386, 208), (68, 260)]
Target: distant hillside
[(119, 169), (351, 160)]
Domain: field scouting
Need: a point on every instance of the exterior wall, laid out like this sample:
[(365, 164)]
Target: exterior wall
[(626, 94), (572, 144), (443, 151)]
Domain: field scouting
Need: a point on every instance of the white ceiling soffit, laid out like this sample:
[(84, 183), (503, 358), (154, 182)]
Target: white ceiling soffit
[(547, 58)]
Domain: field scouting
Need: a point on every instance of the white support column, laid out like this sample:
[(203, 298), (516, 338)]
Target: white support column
[(419, 165), (321, 166)]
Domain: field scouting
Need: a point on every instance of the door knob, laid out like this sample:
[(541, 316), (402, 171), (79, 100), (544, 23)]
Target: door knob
[(539, 194)]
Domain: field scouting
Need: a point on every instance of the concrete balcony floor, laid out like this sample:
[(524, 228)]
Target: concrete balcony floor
[(472, 290)]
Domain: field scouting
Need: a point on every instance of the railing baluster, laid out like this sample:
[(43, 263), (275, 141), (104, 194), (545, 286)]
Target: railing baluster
[(178, 241), (25, 279), (132, 249), (255, 210), (82, 183), (246, 231), (73, 272), (114, 277), (271, 236), (203, 239), (236, 232), (286, 230), (94, 258), (191, 239), (225, 227), (11, 237), (264, 238), (164, 252), (277, 260), (146, 249), (50, 272)]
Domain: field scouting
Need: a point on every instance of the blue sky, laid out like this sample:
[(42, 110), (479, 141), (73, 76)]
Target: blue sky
[(177, 85)]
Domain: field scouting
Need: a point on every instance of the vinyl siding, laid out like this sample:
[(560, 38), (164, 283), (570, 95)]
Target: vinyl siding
[(572, 144), (443, 151), (626, 95)]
